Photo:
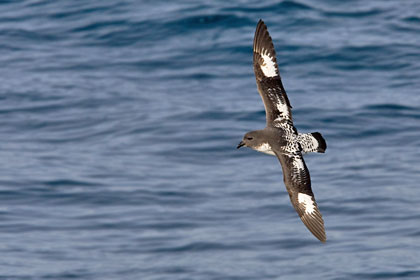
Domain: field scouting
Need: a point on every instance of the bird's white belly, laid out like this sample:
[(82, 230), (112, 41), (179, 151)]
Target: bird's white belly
[(266, 149)]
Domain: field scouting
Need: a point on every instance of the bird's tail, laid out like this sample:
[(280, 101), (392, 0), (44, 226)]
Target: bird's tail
[(312, 142)]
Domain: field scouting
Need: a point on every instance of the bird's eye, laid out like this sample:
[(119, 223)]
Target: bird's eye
[(249, 138)]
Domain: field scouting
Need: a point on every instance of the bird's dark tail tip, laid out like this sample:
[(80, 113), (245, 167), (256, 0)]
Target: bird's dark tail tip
[(322, 145)]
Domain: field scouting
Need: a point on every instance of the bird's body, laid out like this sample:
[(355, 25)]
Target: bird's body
[(280, 137)]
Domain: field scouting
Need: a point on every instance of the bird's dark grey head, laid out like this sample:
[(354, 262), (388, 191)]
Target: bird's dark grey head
[(251, 139)]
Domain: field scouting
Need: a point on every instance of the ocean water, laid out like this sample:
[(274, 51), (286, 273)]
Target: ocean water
[(119, 122)]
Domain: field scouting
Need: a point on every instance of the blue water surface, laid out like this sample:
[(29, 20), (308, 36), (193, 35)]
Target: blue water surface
[(119, 122)]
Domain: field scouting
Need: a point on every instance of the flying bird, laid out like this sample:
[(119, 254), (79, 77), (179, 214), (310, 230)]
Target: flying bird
[(281, 138)]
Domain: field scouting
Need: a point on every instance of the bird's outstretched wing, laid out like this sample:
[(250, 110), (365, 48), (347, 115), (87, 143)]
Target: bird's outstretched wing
[(276, 103), (298, 184)]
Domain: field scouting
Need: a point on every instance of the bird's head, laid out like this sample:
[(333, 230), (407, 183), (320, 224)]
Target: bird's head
[(250, 139)]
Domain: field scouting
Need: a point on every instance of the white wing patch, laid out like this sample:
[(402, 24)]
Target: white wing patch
[(307, 202), (298, 170), (283, 109), (298, 163), (269, 67)]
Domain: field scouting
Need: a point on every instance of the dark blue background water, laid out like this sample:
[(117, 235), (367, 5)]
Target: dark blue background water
[(119, 122)]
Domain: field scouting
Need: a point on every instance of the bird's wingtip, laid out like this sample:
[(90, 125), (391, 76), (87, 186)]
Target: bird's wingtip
[(260, 22)]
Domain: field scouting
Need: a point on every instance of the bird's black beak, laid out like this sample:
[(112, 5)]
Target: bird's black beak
[(240, 144)]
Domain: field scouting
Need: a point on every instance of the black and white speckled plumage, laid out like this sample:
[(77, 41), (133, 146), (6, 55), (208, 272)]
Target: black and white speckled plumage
[(312, 142), (280, 137)]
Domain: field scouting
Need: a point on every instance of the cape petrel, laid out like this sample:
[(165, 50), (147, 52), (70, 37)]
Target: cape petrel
[(281, 138)]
